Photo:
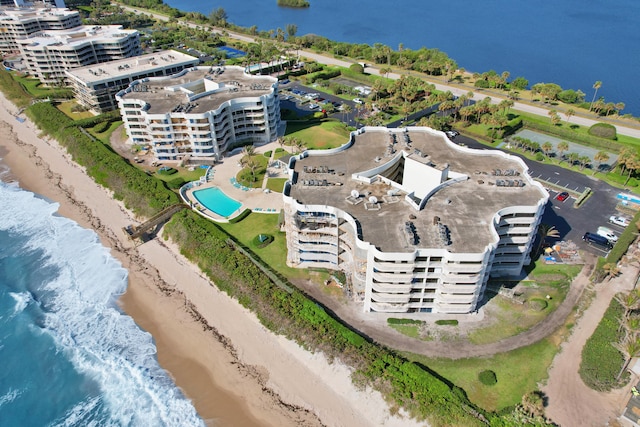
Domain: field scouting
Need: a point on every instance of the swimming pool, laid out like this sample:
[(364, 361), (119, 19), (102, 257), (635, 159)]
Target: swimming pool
[(216, 201)]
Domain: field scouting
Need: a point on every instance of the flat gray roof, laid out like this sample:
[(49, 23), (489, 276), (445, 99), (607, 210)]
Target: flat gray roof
[(136, 66), (234, 84), (76, 36), (466, 208)]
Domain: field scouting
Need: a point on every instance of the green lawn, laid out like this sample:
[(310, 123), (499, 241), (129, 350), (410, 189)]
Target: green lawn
[(319, 135), (183, 173), (518, 372), (245, 177), (276, 184), (105, 136), (274, 254), (66, 107)]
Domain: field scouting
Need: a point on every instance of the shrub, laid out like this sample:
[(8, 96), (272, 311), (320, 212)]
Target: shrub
[(601, 361), (357, 68), (482, 84), (268, 153), (488, 377), (394, 321), (451, 322), (102, 127), (262, 240), (245, 213), (539, 157), (165, 170), (175, 183), (603, 130)]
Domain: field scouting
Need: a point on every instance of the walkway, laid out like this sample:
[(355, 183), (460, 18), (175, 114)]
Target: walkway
[(255, 199), (571, 402)]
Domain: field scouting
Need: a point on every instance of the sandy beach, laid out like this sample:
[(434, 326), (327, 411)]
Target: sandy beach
[(235, 371)]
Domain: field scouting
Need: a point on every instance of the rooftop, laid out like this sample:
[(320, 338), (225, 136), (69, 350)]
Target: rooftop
[(465, 208), (212, 86), (131, 66), (9, 13), (76, 36)]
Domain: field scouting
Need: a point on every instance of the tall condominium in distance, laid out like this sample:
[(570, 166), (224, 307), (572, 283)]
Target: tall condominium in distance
[(417, 223), (96, 87), (201, 112), (33, 3), (48, 54), (21, 22)]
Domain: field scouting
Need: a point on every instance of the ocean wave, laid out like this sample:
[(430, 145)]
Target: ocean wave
[(79, 310), (22, 299)]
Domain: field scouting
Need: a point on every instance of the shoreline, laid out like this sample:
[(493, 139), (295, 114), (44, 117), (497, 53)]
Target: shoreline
[(234, 370)]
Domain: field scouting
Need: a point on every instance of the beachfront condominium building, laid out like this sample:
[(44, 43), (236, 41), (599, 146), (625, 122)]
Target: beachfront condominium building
[(417, 223), (48, 54), (201, 112), (96, 87), (18, 23)]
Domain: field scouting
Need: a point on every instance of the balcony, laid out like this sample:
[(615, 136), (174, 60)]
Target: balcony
[(390, 298), (389, 288), (389, 308)]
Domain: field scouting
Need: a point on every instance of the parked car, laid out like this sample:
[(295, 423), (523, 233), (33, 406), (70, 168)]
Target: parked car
[(561, 197), (452, 133), (313, 106), (619, 220), (358, 101), (608, 234), (597, 239)]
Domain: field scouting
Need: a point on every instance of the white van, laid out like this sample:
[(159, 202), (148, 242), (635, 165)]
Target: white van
[(608, 234)]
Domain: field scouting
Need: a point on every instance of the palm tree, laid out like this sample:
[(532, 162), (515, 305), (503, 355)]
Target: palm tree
[(597, 85), (619, 107), (573, 158), (584, 161), (570, 112), (545, 231), (385, 71), (562, 147), (346, 110), (546, 148), (629, 301), (632, 165), (630, 348), (600, 157)]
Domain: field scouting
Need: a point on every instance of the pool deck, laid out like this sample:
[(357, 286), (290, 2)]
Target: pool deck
[(255, 199)]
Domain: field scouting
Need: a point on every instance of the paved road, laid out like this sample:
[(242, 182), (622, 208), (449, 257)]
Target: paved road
[(629, 129)]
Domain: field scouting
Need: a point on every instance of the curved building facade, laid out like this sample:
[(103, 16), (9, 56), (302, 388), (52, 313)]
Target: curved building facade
[(418, 223), (200, 112)]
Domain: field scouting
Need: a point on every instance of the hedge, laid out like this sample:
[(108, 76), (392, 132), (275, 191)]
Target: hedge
[(141, 193), (601, 361), (590, 140), (624, 241)]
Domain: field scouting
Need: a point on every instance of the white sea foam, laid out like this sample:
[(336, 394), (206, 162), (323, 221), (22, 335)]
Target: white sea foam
[(81, 314), (22, 300), (9, 396)]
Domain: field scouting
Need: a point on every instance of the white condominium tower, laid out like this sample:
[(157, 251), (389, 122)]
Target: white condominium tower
[(201, 112), (417, 223), (48, 54)]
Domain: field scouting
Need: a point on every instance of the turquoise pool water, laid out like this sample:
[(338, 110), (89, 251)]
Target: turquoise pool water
[(216, 201)]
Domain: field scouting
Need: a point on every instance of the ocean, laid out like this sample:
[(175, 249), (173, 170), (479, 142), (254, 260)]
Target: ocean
[(572, 43), (70, 356)]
